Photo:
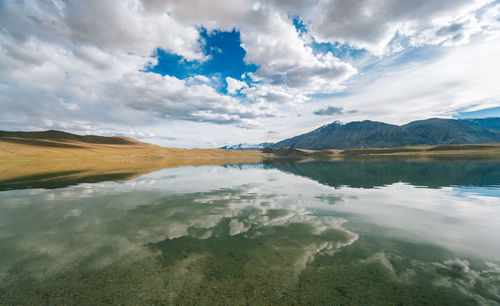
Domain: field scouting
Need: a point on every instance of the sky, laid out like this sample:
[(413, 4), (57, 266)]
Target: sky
[(204, 73)]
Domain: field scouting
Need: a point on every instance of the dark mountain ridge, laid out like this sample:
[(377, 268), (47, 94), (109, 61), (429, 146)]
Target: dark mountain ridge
[(373, 134)]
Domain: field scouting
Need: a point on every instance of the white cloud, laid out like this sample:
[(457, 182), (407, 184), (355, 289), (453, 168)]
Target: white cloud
[(273, 43), (115, 26), (458, 31), (373, 24), (261, 93), (270, 41), (234, 85)]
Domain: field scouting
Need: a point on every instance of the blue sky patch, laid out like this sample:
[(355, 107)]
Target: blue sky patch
[(342, 51), (174, 65), (299, 25), (226, 58), (483, 113), (226, 54)]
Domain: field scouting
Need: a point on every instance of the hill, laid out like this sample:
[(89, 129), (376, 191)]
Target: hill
[(57, 144), (372, 134), (53, 138)]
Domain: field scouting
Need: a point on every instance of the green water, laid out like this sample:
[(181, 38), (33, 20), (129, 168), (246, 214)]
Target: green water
[(352, 232)]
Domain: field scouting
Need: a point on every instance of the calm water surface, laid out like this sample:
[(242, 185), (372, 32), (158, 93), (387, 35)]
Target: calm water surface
[(345, 232)]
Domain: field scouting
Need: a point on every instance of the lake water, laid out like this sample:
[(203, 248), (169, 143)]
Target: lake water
[(344, 232)]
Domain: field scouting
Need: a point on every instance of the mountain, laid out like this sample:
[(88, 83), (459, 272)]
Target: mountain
[(372, 134), (449, 131), (487, 123), (246, 146)]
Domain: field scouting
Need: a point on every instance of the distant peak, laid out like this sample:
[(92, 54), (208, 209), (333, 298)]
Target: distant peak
[(334, 123)]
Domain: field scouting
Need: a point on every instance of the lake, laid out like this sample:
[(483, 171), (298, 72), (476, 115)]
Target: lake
[(368, 231)]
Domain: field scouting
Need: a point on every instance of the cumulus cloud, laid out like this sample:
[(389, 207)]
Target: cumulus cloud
[(234, 85), (359, 23), (284, 58), (262, 93), (270, 41), (171, 97), (112, 25)]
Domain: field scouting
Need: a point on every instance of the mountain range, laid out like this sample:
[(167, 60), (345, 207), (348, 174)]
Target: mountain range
[(247, 146), (373, 134)]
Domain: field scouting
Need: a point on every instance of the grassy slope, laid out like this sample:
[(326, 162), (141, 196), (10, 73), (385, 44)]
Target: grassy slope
[(46, 145)]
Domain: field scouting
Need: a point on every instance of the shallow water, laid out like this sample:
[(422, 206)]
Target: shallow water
[(344, 232)]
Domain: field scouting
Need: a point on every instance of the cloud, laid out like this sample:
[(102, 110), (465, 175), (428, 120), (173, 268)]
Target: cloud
[(169, 97), (115, 26), (270, 94), (359, 23), (129, 95), (234, 85), (328, 111), (459, 30), (332, 110), (372, 25), (284, 58), (270, 41)]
